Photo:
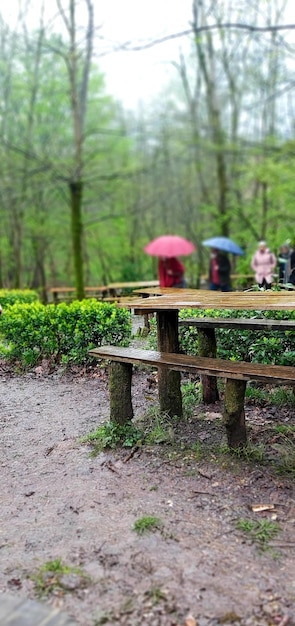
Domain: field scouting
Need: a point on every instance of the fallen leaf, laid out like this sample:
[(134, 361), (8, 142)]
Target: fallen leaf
[(257, 508)]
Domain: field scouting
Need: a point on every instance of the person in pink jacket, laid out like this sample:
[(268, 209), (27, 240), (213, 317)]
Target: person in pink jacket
[(263, 263)]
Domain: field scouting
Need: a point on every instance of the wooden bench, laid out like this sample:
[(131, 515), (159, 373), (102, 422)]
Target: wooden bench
[(66, 294), (18, 611), (239, 323), (207, 340), (236, 373)]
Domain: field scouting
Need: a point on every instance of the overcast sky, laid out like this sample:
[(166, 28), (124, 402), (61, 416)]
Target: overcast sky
[(137, 76)]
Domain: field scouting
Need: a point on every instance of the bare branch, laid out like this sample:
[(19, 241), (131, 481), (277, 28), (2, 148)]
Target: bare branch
[(208, 27)]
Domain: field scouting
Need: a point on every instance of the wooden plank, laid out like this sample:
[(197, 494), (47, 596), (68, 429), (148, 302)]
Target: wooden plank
[(15, 611), (240, 370), (133, 284), (238, 323), (101, 288)]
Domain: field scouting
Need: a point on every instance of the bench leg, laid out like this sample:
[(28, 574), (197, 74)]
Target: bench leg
[(234, 412), (120, 377), (169, 381), (207, 348)]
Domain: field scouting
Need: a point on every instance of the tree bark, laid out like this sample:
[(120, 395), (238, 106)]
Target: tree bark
[(120, 377), (76, 220), (234, 413), (168, 380)]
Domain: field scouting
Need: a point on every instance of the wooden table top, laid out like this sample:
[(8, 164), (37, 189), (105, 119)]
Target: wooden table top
[(201, 299), (162, 291), (134, 284)]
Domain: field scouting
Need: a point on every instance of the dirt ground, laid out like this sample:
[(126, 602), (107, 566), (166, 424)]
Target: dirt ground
[(60, 503)]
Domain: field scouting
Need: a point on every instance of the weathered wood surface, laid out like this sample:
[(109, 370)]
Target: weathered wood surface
[(200, 299), (240, 370), (238, 323), (16, 611), (134, 284)]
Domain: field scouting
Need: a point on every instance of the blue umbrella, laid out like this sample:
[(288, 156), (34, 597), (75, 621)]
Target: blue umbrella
[(225, 244)]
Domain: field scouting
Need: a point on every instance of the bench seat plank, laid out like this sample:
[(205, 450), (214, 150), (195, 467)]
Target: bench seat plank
[(238, 323), (16, 611), (240, 370)]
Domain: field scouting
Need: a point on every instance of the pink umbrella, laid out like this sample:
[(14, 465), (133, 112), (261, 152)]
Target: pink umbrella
[(169, 246)]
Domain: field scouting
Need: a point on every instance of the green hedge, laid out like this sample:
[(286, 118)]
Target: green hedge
[(63, 333), (11, 296)]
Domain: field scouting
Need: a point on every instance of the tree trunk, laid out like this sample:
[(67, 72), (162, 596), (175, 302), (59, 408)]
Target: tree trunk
[(76, 202), (120, 376), (207, 347), (234, 413), (168, 380)]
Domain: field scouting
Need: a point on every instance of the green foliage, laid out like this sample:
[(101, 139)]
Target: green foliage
[(278, 396), (147, 523), (191, 396), (111, 435), (286, 449), (158, 428), (63, 333), (13, 296), (260, 531)]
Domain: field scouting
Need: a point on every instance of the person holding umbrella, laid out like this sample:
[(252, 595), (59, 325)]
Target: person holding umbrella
[(171, 272), (219, 271), (220, 267), (167, 248)]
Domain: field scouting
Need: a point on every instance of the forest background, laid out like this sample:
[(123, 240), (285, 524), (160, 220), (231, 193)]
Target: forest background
[(85, 183)]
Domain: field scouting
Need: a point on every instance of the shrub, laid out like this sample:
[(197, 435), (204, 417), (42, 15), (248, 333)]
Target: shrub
[(11, 296), (64, 332)]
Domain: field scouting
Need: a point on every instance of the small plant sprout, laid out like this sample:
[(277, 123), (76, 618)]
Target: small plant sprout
[(52, 575), (111, 435), (147, 523), (260, 531)]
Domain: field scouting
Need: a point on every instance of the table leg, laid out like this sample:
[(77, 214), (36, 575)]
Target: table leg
[(207, 348), (120, 378), (234, 413), (168, 380)]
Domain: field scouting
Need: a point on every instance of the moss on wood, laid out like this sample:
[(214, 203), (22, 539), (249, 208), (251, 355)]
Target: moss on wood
[(234, 413)]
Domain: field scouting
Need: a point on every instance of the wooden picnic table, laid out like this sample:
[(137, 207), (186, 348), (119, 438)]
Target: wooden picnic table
[(18, 611), (167, 309), (170, 362), (110, 292), (60, 293)]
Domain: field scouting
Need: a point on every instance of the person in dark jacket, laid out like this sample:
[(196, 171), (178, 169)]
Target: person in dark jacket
[(171, 272), (291, 278), (219, 271), (283, 263)]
